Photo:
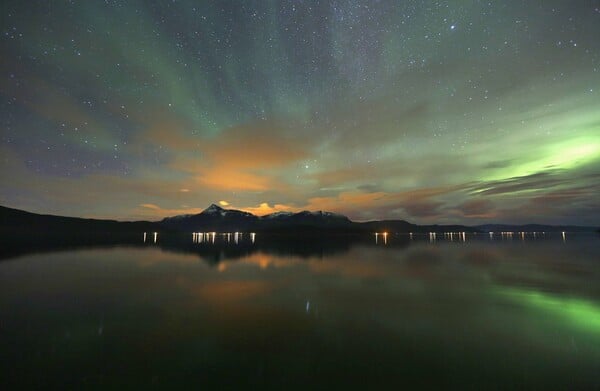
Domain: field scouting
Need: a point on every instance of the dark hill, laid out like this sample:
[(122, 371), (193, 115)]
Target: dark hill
[(533, 228), (14, 221), (215, 218)]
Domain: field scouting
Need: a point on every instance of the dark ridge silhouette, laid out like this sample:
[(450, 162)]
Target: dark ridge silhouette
[(14, 221), (20, 226), (215, 218), (533, 228)]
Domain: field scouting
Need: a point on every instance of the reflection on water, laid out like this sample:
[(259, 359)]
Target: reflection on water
[(154, 237), (583, 313), (234, 310)]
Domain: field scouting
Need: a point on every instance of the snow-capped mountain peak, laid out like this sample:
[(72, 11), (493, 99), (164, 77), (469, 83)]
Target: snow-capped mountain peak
[(214, 209), (278, 215)]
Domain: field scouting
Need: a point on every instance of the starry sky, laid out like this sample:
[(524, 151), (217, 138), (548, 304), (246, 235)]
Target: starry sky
[(430, 111)]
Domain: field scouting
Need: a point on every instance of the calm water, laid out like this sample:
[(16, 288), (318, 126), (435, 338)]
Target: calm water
[(324, 312)]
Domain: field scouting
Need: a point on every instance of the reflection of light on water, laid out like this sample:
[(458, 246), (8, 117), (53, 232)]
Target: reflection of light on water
[(432, 237), (307, 306), (197, 237), (155, 236), (564, 237), (144, 237), (410, 235), (507, 235), (210, 237), (491, 235), (460, 236), (385, 236)]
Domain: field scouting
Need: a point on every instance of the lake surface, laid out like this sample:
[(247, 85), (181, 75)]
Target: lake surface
[(280, 312)]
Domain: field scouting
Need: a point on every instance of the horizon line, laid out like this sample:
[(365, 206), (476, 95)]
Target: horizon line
[(304, 210)]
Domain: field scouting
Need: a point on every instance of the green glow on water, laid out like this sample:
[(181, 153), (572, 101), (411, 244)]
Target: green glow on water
[(580, 312)]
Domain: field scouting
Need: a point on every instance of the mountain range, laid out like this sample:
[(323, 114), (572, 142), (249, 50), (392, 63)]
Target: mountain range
[(218, 219)]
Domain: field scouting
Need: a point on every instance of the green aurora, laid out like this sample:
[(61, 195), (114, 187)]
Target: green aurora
[(449, 112)]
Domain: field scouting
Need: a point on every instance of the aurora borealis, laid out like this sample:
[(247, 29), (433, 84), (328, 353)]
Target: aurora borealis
[(449, 112)]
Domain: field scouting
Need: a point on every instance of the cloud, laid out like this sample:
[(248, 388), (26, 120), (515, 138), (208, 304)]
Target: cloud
[(227, 178), (477, 209), (261, 144), (48, 101), (250, 157), (369, 187), (150, 206), (422, 209), (533, 182), (153, 211), (344, 176), (163, 129), (347, 202), (264, 209), (419, 203), (498, 164), (258, 210)]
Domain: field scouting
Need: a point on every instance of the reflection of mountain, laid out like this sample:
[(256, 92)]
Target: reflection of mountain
[(279, 245), (222, 248)]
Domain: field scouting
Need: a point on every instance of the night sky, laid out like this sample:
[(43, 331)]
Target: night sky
[(448, 112)]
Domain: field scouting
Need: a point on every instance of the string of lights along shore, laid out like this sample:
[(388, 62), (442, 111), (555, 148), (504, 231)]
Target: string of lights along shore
[(442, 112)]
